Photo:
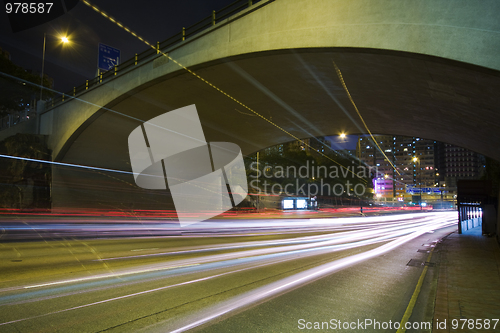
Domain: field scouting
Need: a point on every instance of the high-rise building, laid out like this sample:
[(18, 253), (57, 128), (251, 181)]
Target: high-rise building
[(424, 169), (297, 145), (400, 163), (440, 162), (417, 162), (408, 161), (319, 145), (461, 163), (371, 155)]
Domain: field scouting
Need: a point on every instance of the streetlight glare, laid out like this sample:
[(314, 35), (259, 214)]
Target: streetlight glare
[(415, 159), (342, 135), (65, 39)]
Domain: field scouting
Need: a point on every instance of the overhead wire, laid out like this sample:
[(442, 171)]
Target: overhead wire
[(121, 25), (339, 74)]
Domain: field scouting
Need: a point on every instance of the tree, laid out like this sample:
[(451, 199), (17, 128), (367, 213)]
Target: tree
[(25, 183), (297, 170)]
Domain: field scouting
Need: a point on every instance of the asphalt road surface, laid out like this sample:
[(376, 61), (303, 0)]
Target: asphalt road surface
[(225, 276)]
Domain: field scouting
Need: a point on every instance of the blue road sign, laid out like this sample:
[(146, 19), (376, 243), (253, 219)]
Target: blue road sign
[(414, 190), (108, 58)]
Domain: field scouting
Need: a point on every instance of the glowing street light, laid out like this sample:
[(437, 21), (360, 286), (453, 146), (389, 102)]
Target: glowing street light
[(415, 160), (64, 40), (342, 135)]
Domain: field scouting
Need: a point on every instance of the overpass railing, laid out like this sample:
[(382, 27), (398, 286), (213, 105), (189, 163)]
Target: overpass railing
[(139, 58)]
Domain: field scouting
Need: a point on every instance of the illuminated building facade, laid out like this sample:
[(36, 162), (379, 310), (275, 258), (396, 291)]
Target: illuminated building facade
[(412, 158)]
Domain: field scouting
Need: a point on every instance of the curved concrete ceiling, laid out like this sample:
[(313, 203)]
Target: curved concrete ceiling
[(277, 58), (299, 93)]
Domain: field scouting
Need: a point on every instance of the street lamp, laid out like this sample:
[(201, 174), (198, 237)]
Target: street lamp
[(419, 179), (64, 40)]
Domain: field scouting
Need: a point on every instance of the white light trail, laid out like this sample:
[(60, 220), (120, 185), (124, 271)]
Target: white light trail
[(395, 234), (302, 278)]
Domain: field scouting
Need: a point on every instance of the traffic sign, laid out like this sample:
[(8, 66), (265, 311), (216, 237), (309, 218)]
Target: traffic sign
[(108, 57), (411, 189)]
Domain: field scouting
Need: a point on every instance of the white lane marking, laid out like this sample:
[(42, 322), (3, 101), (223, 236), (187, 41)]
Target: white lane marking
[(104, 276), (299, 279), (154, 248), (140, 293)]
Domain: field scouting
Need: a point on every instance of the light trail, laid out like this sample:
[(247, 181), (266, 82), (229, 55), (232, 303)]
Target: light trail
[(317, 242), (349, 236), (299, 279), (66, 164), (124, 296), (393, 235)]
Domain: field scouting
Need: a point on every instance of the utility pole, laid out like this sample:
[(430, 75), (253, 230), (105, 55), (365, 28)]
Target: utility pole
[(258, 172)]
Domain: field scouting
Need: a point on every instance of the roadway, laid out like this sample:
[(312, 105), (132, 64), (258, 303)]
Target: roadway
[(220, 276)]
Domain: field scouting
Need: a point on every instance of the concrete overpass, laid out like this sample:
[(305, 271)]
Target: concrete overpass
[(413, 68)]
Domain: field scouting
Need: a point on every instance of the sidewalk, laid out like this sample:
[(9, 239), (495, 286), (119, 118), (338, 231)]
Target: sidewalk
[(468, 283)]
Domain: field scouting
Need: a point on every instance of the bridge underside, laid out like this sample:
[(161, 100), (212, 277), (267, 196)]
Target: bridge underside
[(297, 92)]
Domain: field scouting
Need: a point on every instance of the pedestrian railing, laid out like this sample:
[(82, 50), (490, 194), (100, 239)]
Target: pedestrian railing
[(469, 216)]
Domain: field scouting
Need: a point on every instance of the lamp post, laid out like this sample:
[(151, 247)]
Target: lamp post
[(64, 40), (419, 179), (43, 65)]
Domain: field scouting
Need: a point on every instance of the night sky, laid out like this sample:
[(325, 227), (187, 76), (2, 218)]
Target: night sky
[(69, 66)]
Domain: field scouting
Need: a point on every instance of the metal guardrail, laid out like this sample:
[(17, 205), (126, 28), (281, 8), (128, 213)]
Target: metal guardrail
[(469, 216), (209, 21)]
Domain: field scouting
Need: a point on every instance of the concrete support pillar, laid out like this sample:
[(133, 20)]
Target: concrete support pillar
[(40, 107)]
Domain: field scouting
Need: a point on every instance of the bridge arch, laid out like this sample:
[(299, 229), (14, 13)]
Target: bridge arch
[(412, 68), (462, 31), (299, 90)]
